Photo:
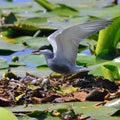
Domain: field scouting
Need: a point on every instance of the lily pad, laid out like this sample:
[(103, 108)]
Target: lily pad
[(114, 103), (3, 63), (85, 108), (104, 13), (5, 114), (21, 71), (87, 60), (33, 60), (33, 42), (7, 48)]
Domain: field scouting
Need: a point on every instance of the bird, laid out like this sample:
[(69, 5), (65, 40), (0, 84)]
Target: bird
[(65, 43)]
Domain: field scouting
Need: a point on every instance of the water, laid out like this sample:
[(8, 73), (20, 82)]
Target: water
[(19, 53)]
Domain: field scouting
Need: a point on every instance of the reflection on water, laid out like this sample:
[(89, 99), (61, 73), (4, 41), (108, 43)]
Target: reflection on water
[(19, 53)]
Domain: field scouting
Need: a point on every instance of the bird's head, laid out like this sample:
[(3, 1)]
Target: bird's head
[(46, 50), (42, 48)]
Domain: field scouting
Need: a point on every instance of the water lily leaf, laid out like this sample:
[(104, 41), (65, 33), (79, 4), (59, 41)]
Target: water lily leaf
[(110, 71), (3, 63), (7, 48), (21, 71), (62, 10), (114, 103), (112, 35), (104, 13), (64, 22), (5, 114), (36, 21), (46, 4), (9, 18), (25, 28), (33, 60), (87, 60), (14, 5), (16, 64), (84, 108), (65, 10), (97, 70), (33, 42)]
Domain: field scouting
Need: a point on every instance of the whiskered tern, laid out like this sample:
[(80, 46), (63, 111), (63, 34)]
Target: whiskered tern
[(65, 43)]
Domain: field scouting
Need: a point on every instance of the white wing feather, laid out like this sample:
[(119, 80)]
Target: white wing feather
[(65, 42)]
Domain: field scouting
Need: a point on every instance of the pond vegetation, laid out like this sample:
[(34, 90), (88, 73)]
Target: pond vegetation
[(28, 82)]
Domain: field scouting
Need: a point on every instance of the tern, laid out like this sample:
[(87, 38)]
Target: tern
[(65, 43)]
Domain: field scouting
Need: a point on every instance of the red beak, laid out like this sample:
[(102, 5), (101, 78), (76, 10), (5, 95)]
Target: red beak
[(35, 51)]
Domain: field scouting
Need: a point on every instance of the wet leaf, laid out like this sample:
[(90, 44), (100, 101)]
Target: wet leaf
[(33, 42), (6, 47), (84, 108), (46, 4), (112, 35), (114, 103), (110, 71), (86, 60), (9, 74), (21, 71), (6, 114), (65, 89), (104, 13), (3, 63), (33, 60), (65, 10)]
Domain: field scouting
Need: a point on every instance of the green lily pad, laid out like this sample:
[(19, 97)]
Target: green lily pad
[(65, 10), (21, 71), (110, 71), (16, 64), (114, 103), (84, 108), (33, 42), (7, 48), (33, 60), (104, 13), (87, 60), (5, 114), (3, 63)]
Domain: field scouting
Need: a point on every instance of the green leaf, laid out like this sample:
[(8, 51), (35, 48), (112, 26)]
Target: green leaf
[(109, 35), (65, 10), (5, 114), (114, 103), (16, 64), (104, 13), (87, 60), (33, 42), (7, 48), (21, 71), (84, 108), (110, 71), (66, 90), (3, 63), (33, 60), (46, 4), (9, 17)]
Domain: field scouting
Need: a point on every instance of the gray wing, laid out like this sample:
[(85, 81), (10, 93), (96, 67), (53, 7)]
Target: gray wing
[(65, 42)]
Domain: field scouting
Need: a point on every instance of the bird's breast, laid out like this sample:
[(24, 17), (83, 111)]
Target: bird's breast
[(58, 67)]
